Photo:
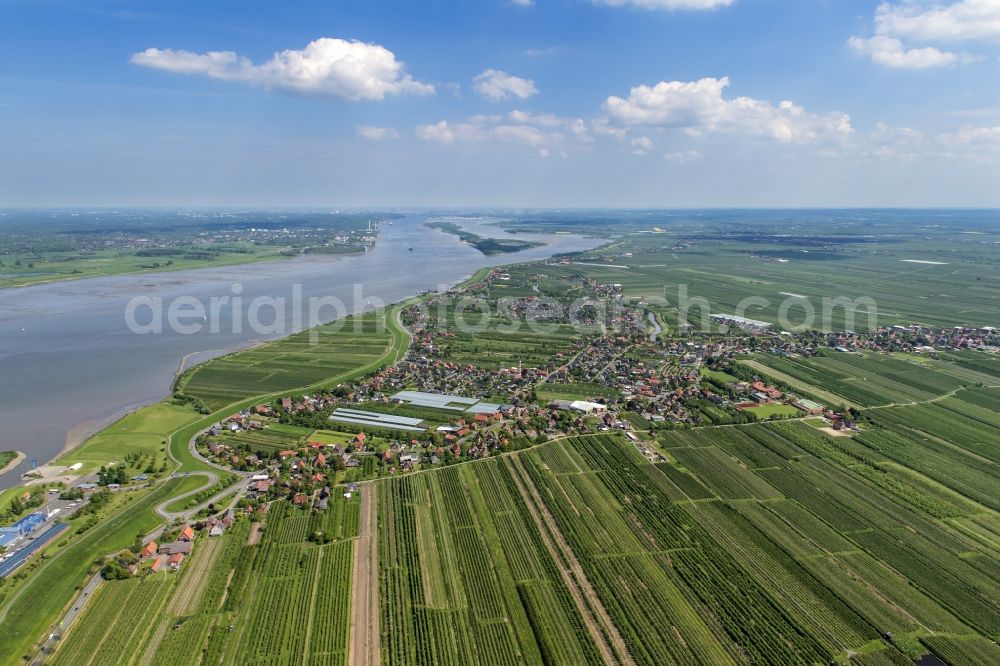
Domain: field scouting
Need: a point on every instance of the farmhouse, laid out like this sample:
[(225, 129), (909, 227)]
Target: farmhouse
[(175, 547), (174, 561)]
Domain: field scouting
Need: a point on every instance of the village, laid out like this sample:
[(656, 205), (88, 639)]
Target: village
[(435, 408), (430, 410)]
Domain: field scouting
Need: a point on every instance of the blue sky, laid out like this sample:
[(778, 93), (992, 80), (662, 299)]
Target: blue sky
[(561, 103)]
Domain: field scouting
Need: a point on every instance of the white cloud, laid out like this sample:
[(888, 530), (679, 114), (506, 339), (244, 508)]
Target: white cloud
[(522, 3), (667, 4), (352, 70), (971, 145), (978, 137), (575, 127), (440, 132), (497, 85), (889, 51), (697, 107), (963, 20), (603, 127), (641, 145), (895, 142), (541, 131), (683, 156), (377, 133), (216, 64), (925, 21), (526, 134)]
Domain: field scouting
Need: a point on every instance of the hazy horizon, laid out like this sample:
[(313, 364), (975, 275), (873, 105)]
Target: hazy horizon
[(502, 103)]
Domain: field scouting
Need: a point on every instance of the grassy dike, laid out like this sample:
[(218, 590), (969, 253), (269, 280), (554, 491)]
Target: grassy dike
[(32, 605), (48, 590)]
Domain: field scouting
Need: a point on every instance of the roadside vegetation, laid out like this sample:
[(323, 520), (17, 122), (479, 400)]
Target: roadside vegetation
[(688, 517)]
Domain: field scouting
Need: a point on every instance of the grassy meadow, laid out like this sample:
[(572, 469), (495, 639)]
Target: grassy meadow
[(304, 359)]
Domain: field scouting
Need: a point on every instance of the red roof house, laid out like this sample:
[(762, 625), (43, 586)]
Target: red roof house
[(148, 550)]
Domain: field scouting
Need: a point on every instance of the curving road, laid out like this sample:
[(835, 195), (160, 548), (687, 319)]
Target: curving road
[(394, 354)]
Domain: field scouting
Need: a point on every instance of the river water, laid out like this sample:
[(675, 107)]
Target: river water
[(69, 361)]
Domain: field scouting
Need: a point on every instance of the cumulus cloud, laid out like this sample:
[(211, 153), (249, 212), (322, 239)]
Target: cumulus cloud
[(574, 127), (351, 70), (497, 85), (377, 133), (542, 131), (440, 132), (698, 107), (922, 21), (963, 20), (889, 51), (667, 4)]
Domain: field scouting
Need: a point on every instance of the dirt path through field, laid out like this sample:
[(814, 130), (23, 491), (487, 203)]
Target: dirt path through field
[(256, 533), (595, 616), (192, 584), (364, 648)]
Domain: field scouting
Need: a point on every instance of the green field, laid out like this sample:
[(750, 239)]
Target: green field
[(769, 541), (727, 262), (753, 537), (574, 391), (721, 377), (873, 379), (29, 602), (490, 342), (465, 579), (38, 599), (952, 442), (286, 599), (767, 411), (63, 266), (142, 432), (300, 360), (765, 543)]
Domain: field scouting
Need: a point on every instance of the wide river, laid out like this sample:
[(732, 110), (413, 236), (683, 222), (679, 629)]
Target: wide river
[(70, 364)]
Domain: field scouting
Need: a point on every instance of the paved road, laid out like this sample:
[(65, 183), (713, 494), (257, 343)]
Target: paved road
[(170, 516), (236, 490)]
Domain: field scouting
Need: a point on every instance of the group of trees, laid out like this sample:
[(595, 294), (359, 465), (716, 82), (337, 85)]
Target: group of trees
[(116, 568), (107, 476), (19, 505)]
